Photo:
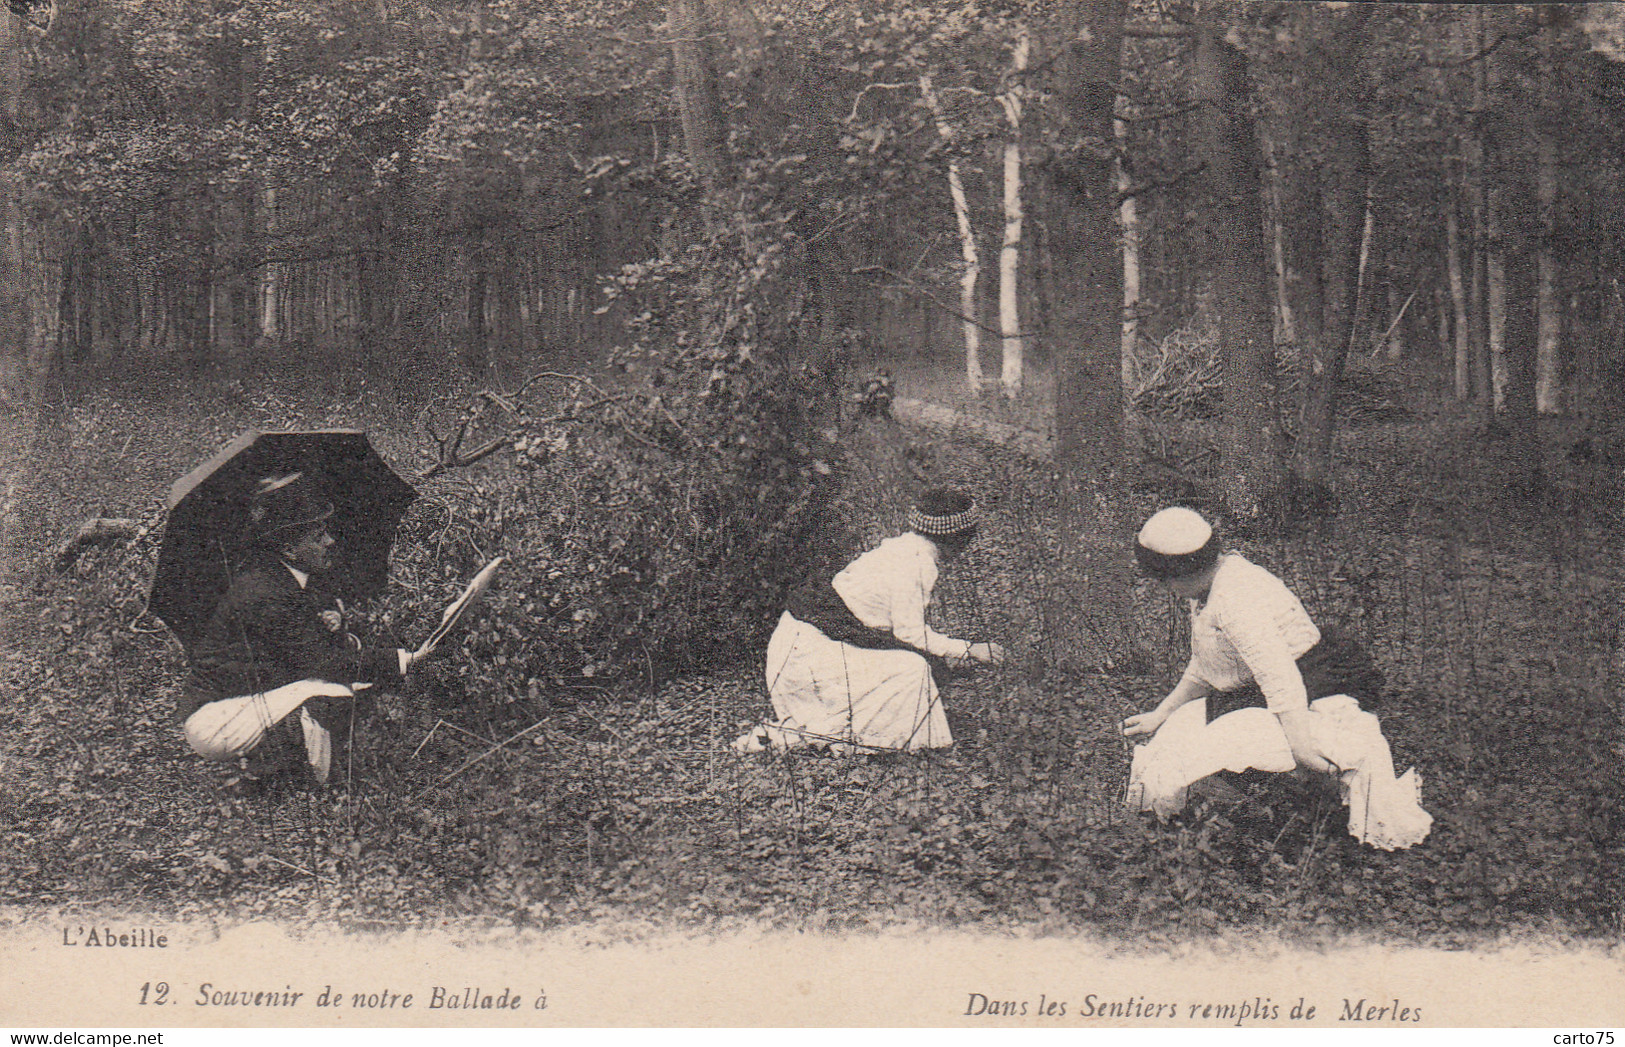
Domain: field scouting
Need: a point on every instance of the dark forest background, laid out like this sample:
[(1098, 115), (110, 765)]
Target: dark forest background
[(608, 280)]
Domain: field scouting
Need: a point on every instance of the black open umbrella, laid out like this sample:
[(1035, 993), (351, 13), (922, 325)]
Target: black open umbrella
[(208, 517)]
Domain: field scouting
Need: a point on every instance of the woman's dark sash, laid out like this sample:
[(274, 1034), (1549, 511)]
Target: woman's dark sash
[(1338, 664), (817, 604)]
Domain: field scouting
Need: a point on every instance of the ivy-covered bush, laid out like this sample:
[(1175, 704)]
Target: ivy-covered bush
[(653, 516)]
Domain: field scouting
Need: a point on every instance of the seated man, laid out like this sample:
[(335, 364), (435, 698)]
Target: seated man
[(273, 647)]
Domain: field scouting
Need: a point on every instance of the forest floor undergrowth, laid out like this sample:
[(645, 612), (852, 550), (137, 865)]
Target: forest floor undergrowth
[(1494, 616)]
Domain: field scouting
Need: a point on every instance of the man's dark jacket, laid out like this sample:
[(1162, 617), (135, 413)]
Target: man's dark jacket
[(267, 632)]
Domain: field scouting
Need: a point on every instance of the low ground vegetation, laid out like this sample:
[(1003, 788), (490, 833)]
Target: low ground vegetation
[(608, 792)]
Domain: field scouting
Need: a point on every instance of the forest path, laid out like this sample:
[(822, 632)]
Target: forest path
[(947, 420)]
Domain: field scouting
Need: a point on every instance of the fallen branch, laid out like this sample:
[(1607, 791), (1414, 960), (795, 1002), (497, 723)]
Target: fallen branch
[(449, 454), (477, 738), (101, 531), (1380, 342)]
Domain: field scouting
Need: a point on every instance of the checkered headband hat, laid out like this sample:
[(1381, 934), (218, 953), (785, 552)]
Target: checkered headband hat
[(943, 513)]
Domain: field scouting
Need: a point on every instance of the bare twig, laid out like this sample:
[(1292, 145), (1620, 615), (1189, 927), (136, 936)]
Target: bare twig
[(1451, 63), (454, 460), (1397, 317), (298, 868), (426, 738), (483, 741), (471, 761), (853, 115)]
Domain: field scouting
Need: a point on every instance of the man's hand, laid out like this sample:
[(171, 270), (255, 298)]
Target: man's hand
[(333, 619)]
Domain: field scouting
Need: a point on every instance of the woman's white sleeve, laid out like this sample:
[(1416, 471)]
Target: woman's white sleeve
[(1262, 647), (910, 597)]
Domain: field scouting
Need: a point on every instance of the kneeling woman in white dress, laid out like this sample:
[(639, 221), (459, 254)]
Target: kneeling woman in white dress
[(1265, 690), (850, 664)]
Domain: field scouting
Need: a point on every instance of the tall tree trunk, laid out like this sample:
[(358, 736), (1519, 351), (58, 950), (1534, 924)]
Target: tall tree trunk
[(1077, 192), (1443, 329), (1496, 296), (477, 349), (270, 272), (231, 305), (1299, 208), (1345, 194), (1226, 146), (1524, 466), (1014, 349), (1074, 202), (697, 105), (14, 321)]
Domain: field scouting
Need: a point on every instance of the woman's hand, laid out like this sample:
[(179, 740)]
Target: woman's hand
[(1144, 724), (1296, 725), (987, 652)]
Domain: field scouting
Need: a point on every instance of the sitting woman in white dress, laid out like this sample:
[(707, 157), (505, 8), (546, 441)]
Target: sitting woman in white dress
[(852, 664), (1265, 689)]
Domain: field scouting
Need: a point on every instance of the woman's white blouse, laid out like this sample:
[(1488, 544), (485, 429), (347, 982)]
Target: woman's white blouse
[(889, 587), (1251, 628)]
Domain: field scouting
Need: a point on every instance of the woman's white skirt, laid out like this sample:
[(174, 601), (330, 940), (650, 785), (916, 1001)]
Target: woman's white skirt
[(828, 693), (1384, 811)]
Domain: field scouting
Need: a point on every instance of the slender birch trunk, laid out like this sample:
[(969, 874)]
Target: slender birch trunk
[(270, 273), (1483, 386), (1549, 324), (1010, 375), (699, 110), (967, 245), (1458, 301), (1368, 235), (1496, 299), (1286, 328), (1129, 223), (1442, 318)]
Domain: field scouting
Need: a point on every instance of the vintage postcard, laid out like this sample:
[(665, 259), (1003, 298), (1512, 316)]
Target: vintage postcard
[(811, 513)]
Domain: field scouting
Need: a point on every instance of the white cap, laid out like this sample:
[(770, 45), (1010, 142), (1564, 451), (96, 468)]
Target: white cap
[(1175, 531)]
